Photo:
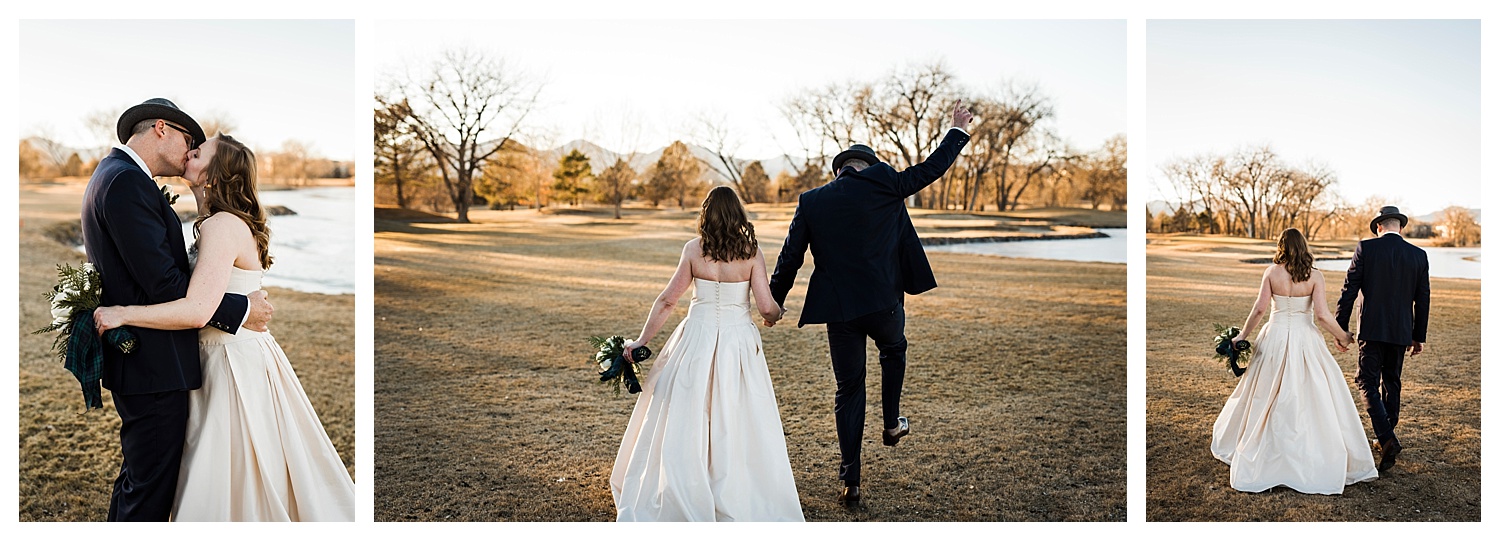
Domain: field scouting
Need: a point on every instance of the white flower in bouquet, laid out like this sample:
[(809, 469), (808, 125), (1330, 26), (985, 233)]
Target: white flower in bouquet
[(606, 364), (60, 314)]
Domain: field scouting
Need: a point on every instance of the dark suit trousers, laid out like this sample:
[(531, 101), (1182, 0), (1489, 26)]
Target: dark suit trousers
[(1379, 382), (846, 345), (152, 429)]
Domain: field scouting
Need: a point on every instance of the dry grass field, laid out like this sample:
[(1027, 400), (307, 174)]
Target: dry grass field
[(487, 407), (1193, 282), (68, 459)]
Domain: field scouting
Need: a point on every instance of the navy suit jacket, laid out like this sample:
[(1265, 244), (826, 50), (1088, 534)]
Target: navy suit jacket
[(1393, 276), (134, 238), (862, 238)]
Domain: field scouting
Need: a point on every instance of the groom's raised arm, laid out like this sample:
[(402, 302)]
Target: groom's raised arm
[(916, 177), (790, 259), (135, 226), (1352, 282)]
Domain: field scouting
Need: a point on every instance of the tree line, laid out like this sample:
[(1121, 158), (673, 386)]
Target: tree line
[(446, 136), (1253, 192), (42, 156)]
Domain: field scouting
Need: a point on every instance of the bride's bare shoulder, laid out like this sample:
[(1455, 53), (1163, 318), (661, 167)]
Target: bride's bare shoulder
[(223, 223)]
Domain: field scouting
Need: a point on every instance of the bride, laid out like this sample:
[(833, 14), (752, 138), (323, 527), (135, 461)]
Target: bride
[(255, 450), (705, 440), (1291, 420)]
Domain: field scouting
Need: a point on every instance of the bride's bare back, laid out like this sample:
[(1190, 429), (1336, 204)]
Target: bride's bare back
[(1282, 284), (718, 271)]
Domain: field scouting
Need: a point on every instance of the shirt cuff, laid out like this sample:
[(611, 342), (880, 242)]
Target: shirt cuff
[(247, 315), (960, 130)]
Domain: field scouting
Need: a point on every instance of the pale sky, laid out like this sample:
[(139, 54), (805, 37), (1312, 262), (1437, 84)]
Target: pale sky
[(1391, 106), (276, 80), (666, 72)]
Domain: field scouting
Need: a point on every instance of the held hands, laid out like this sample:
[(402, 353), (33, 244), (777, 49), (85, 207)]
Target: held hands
[(260, 311), (1416, 349), (1342, 340), (772, 322), (961, 115)]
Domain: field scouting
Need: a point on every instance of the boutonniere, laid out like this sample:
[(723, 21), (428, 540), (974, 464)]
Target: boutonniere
[(166, 191)]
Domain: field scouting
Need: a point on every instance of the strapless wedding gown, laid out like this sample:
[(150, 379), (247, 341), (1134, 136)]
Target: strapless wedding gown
[(705, 442), (1291, 420), (255, 449)]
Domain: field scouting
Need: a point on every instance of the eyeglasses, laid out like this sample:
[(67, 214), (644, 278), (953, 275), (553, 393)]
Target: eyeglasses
[(184, 131)]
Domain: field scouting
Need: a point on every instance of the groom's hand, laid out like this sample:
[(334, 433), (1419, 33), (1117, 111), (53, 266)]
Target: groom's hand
[(1416, 349), (961, 115), (260, 311)]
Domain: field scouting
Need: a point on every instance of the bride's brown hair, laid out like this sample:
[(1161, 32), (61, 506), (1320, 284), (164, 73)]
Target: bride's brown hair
[(1292, 252), (230, 181), (724, 227)]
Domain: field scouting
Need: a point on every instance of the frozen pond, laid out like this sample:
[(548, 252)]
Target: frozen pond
[(1110, 249), (314, 249), (1441, 263)]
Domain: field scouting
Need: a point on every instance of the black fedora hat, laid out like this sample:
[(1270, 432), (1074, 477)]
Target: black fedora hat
[(158, 108), (1386, 213), (856, 151)]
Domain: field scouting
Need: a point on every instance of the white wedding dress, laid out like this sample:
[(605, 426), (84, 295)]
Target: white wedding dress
[(255, 449), (705, 442), (1291, 420)]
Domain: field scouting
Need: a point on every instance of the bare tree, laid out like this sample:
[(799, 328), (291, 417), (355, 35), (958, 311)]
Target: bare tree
[(101, 125), (1021, 109), (1105, 178), (904, 113), (464, 107), (1461, 228), (217, 122), (713, 133)]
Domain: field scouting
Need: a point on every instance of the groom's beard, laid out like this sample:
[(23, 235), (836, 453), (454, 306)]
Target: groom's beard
[(172, 168)]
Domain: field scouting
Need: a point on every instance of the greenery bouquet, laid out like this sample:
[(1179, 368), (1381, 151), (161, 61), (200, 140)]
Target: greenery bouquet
[(614, 369), (1232, 352), (78, 345)]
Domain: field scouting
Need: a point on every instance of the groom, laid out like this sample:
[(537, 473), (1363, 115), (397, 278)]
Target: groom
[(867, 254), (135, 239), (1392, 275)]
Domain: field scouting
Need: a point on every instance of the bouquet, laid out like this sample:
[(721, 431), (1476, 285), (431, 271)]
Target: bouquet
[(613, 367), (78, 344), (1229, 350)]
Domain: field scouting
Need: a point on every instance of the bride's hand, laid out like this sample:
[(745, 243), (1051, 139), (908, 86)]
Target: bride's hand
[(631, 346), (1339, 339), (109, 317)]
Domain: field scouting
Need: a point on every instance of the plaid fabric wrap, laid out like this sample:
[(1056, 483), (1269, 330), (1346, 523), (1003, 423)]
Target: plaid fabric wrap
[(84, 356)]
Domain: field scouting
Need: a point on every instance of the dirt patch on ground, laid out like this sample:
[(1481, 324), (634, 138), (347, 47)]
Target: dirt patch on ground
[(486, 406)]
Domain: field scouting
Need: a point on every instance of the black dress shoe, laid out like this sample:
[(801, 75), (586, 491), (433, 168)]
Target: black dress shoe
[(1388, 452), (895, 434), (849, 496)]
